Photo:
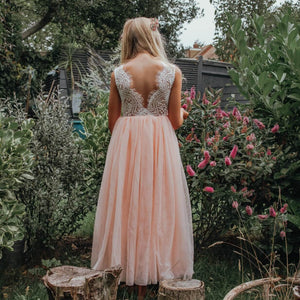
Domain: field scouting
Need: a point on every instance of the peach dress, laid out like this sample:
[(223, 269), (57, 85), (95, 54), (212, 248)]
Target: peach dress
[(143, 218)]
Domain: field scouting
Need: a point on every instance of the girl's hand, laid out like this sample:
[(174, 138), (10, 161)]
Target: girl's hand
[(184, 113)]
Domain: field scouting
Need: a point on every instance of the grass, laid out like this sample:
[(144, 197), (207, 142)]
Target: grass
[(218, 268)]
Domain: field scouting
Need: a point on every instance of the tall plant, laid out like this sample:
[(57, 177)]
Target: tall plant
[(15, 167), (94, 145), (268, 74), (53, 200)]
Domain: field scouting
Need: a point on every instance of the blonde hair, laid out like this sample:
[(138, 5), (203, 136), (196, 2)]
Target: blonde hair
[(138, 36)]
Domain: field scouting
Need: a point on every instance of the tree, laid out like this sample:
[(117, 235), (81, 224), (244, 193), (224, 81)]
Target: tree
[(244, 9), (99, 23)]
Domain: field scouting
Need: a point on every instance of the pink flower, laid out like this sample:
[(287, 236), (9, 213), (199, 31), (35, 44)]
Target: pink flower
[(233, 189), (217, 101), (226, 125), (235, 204), (233, 152), (250, 147), (206, 155), (284, 208), (184, 106), (227, 161), (263, 217), (274, 157), (275, 128), (213, 163), (218, 114), (204, 99), (251, 137), (237, 114), (259, 124), (189, 101), (244, 189), (193, 93), (190, 170), (282, 234), (225, 138), (245, 120), (202, 164), (210, 141), (186, 93), (249, 210), (224, 114), (208, 189), (269, 152), (272, 212)]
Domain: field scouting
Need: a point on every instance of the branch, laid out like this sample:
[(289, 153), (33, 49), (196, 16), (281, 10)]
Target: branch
[(40, 24)]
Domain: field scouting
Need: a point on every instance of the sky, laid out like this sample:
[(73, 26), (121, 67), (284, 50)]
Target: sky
[(202, 29)]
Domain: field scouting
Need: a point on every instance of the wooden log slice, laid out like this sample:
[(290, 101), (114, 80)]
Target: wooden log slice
[(69, 282), (177, 289)]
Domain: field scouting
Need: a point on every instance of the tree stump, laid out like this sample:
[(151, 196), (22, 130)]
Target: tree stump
[(177, 289), (68, 282)]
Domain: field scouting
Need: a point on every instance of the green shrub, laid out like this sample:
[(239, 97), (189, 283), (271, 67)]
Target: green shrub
[(268, 74), (15, 167), (94, 145), (216, 175), (54, 200)]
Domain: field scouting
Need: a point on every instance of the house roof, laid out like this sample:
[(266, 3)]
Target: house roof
[(207, 52)]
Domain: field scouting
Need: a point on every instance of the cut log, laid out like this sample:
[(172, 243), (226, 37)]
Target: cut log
[(177, 289), (69, 282)]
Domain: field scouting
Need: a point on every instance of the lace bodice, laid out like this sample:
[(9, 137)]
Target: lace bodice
[(133, 101)]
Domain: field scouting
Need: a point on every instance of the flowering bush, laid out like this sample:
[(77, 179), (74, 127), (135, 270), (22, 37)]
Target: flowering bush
[(227, 156), (268, 75)]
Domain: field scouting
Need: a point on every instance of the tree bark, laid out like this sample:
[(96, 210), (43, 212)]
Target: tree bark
[(181, 289), (68, 282), (40, 24)]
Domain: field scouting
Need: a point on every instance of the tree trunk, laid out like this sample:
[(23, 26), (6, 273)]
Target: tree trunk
[(181, 290), (40, 24), (68, 282)]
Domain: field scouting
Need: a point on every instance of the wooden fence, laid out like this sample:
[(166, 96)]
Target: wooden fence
[(200, 73)]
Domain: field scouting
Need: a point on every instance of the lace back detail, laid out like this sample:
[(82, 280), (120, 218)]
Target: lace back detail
[(133, 101)]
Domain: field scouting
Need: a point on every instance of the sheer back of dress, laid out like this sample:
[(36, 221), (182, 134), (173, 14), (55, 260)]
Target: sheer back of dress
[(156, 103)]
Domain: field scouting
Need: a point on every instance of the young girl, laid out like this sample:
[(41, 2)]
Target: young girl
[(143, 219)]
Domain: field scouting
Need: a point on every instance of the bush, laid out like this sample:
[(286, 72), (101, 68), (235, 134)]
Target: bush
[(94, 145), (228, 156), (268, 74), (54, 200), (15, 167)]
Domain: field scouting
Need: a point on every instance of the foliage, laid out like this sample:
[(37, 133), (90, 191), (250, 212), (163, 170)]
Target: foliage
[(96, 81), (22, 68), (15, 167), (228, 158), (261, 240), (94, 145), (53, 200), (268, 74), (245, 10), (10, 67), (99, 23)]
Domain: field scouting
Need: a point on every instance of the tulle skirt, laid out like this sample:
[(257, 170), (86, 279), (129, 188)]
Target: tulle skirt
[(143, 219)]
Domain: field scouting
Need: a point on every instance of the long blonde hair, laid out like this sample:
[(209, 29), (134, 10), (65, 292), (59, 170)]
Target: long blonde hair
[(138, 36)]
